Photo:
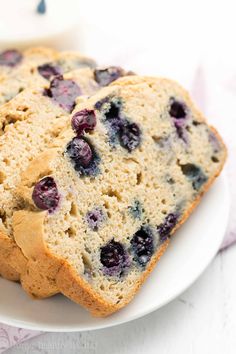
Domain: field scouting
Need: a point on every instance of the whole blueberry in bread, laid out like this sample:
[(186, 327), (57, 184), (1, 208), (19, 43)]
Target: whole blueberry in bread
[(99, 209)]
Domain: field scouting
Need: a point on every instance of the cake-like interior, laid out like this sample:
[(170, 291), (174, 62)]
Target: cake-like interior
[(137, 159)]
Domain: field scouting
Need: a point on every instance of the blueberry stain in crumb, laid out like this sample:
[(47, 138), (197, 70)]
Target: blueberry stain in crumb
[(136, 210), (95, 218), (45, 194), (11, 58), (194, 174)]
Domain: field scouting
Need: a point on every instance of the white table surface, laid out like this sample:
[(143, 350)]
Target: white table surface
[(175, 36), (202, 320)]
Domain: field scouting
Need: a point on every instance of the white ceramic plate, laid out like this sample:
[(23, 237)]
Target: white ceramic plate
[(191, 250)]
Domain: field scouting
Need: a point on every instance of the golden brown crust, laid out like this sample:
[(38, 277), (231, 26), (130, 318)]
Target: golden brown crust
[(79, 291)]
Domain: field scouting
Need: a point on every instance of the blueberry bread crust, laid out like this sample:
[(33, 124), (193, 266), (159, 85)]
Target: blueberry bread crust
[(99, 209), (29, 124)]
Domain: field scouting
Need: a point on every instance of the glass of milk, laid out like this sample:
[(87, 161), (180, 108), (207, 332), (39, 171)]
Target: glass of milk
[(21, 25)]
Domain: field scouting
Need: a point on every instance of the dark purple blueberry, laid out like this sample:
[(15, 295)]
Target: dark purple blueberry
[(166, 227), (80, 152), (107, 75), (10, 58), (114, 258), (177, 109), (194, 174), (178, 112), (49, 70), (136, 210), (45, 194), (63, 92), (83, 121), (41, 8), (180, 125), (83, 156), (95, 218), (130, 135), (143, 245)]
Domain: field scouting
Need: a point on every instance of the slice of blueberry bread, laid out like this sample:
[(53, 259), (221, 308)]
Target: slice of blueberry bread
[(98, 210), (19, 70), (28, 124)]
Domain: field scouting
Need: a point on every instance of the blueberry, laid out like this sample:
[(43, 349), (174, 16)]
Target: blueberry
[(177, 109), (136, 210), (84, 120), (114, 258), (142, 245), (194, 174), (45, 194), (80, 151), (167, 226), (63, 92), (130, 135), (178, 112), (83, 156), (49, 70), (107, 75), (95, 218), (10, 58), (180, 129)]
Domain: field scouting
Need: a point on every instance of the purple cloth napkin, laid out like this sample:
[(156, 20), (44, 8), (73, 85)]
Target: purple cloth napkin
[(200, 90)]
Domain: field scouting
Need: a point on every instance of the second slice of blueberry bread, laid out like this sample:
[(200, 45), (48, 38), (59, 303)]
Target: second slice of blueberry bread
[(99, 209), (29, 124), (35, 66)]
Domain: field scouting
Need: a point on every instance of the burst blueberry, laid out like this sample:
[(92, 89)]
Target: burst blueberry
[(10, 58), (130, 135), (143, 245), (83, 121), (114, 258), (80, 152), (167, 226), (48, 71), (63, 92), (107, 75), (45, 194)]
